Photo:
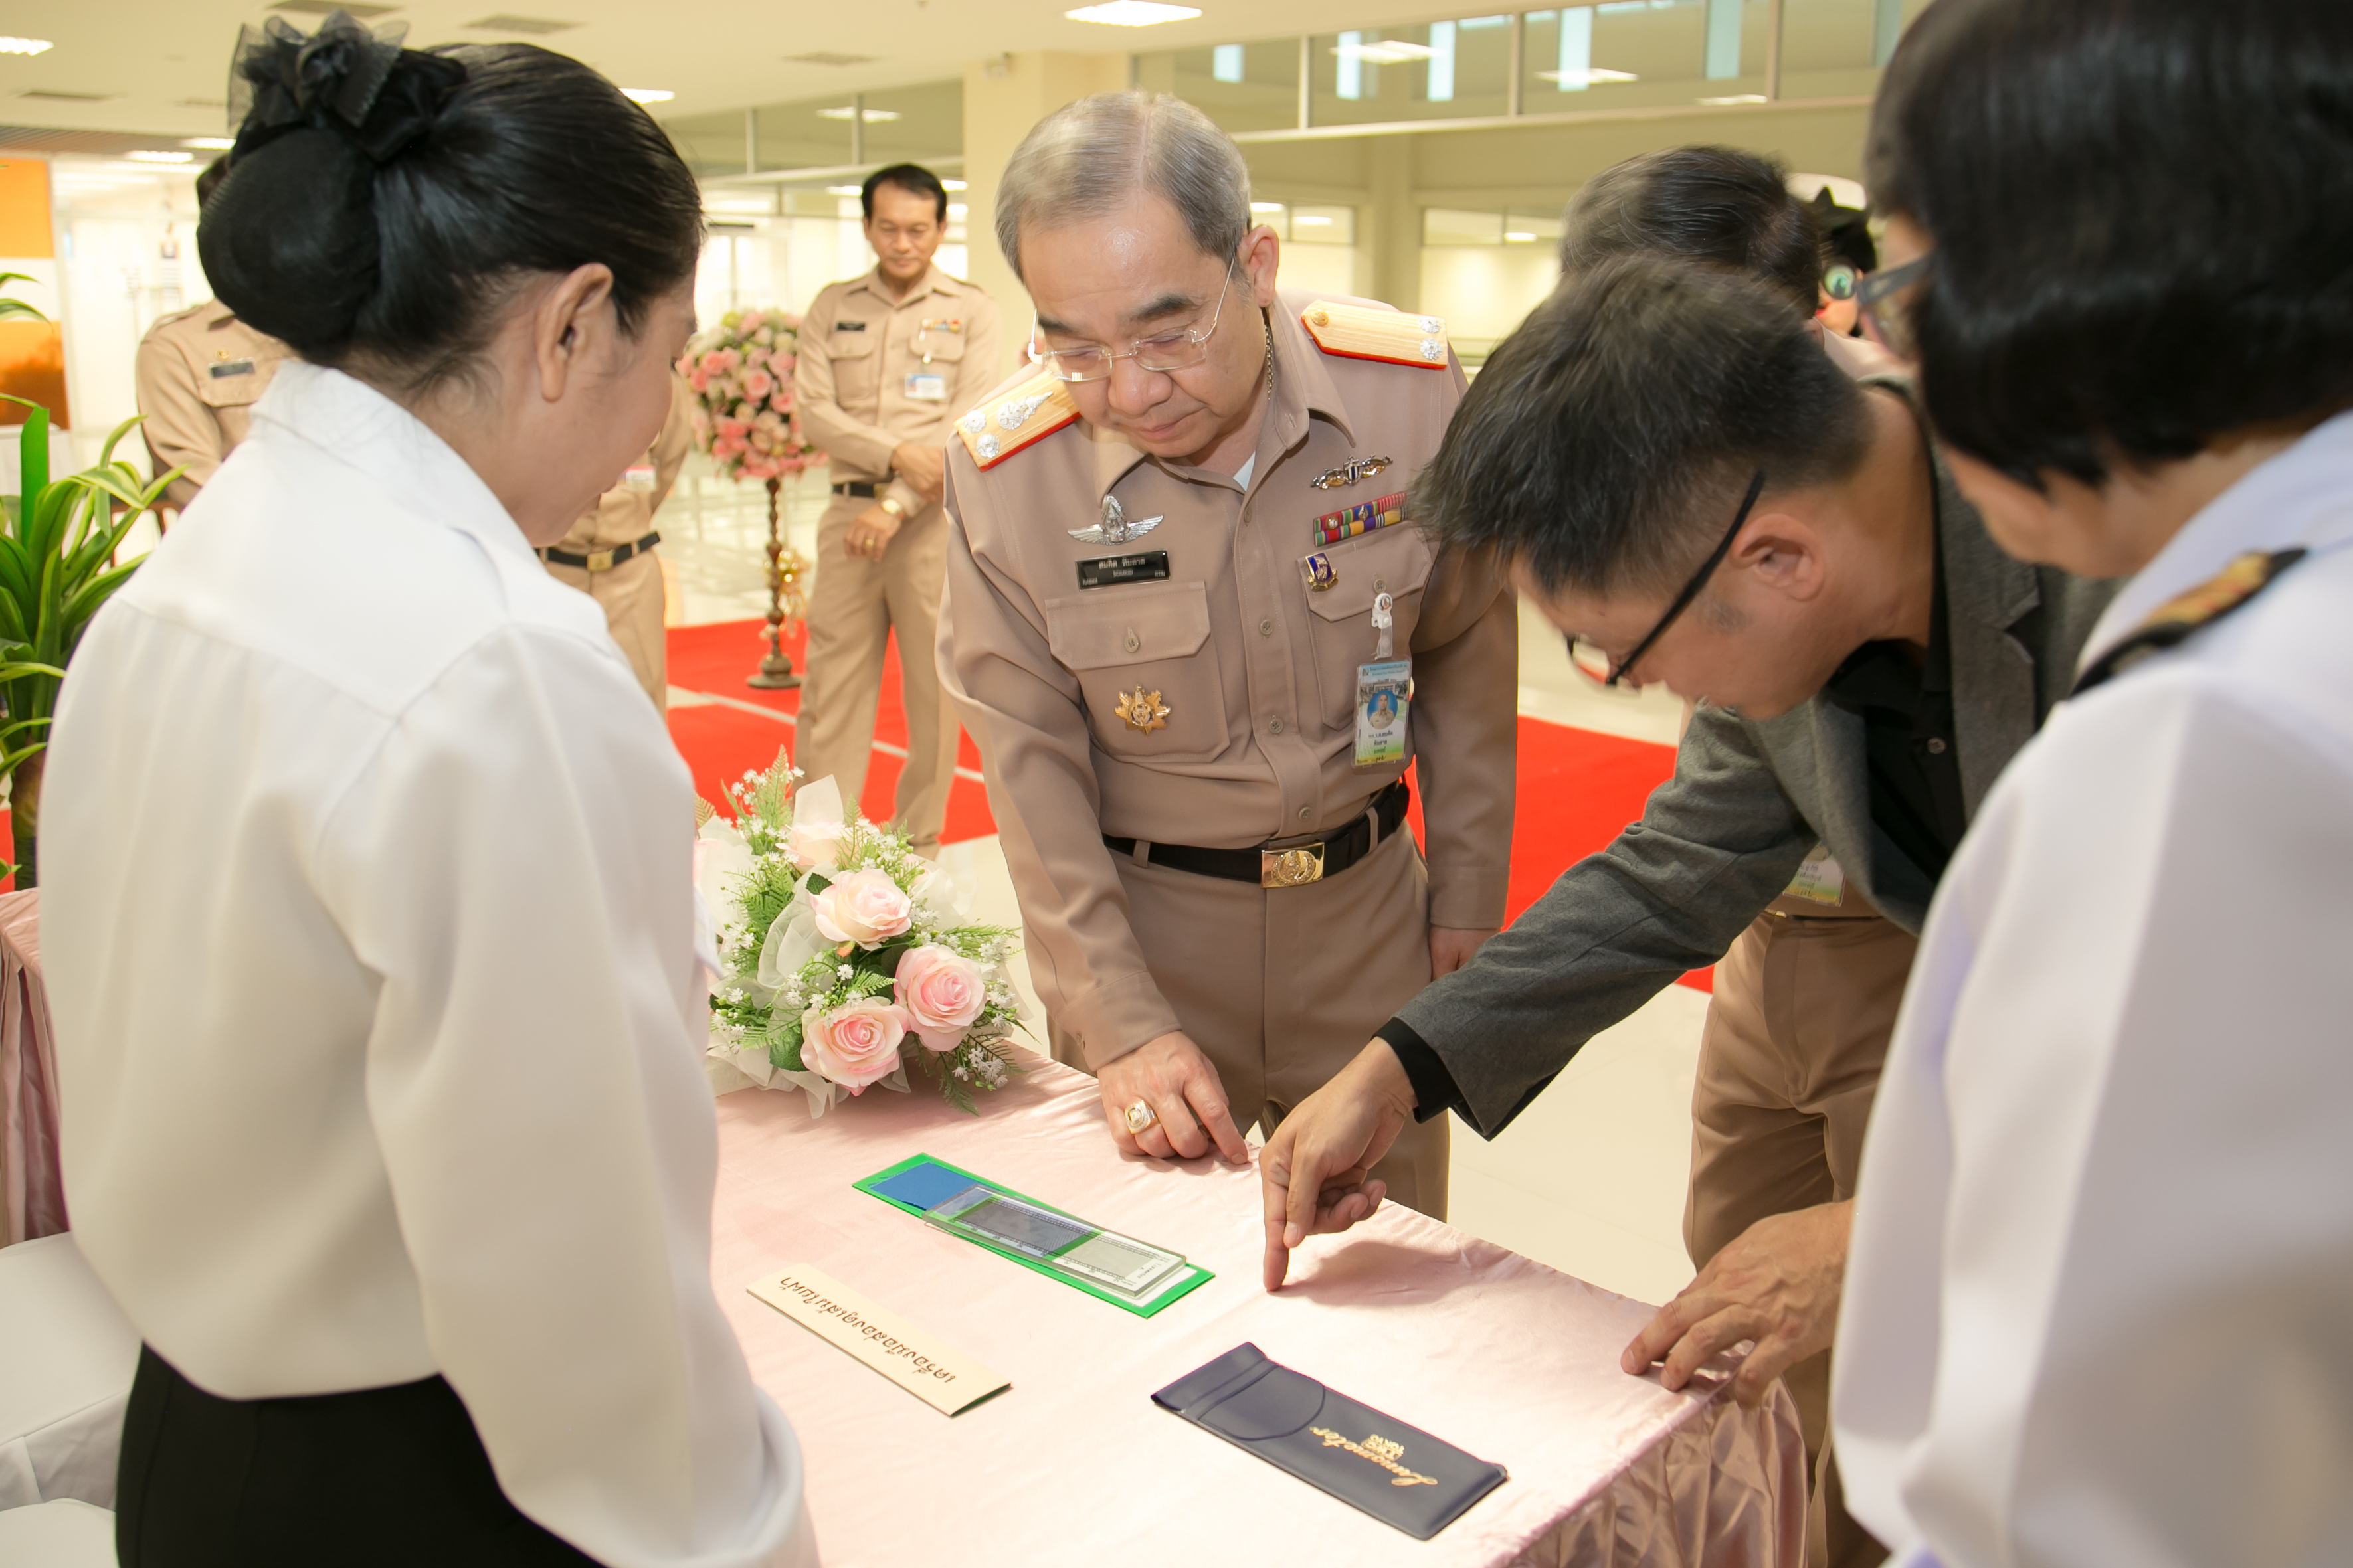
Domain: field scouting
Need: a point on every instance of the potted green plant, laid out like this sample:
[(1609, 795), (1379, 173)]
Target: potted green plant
[(57, 567)]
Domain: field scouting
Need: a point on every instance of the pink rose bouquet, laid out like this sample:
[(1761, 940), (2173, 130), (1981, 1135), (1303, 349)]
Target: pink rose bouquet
[(842, 955), (741, 373)]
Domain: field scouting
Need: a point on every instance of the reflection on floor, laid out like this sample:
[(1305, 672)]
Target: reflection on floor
[(1590, 1179)]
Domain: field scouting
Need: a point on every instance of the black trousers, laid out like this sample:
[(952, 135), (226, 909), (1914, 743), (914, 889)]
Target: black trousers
[(388, 1476)]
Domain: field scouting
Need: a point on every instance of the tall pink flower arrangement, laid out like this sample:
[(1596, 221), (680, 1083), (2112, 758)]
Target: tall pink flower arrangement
[(741, 371)]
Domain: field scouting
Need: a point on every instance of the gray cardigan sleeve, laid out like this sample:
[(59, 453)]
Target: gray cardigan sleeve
[(1717, 842)]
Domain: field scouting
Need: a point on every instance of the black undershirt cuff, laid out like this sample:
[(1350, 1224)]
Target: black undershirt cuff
[(1434, 1092)]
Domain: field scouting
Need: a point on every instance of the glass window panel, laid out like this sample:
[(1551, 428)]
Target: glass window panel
[(710, 143), (914, 124), (1262, 96), (1619, 54), (1538, 229), (1457, 226), (1322, 226), (1436, 70)]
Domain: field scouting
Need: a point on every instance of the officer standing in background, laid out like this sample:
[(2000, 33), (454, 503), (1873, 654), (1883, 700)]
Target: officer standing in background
[(885, 363), (197, 375), (1179, 584), (609, 553)]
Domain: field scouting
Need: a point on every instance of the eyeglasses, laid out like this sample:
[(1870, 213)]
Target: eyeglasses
[(1886, 300), (1838, 279), (1169, 351), (1618, 673)]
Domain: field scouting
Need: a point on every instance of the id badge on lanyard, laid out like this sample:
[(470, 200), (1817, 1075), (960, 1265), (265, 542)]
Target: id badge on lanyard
[(927, 387), (1383, 694)]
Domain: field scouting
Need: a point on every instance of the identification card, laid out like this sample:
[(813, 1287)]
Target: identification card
[(1819, 880), (224, 369), (1110, 571), (1384, 693), (638, 477), (927, 387)]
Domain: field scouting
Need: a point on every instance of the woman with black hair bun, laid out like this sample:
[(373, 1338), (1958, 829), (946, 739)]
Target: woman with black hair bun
[(2102, 1266), (368, 919)]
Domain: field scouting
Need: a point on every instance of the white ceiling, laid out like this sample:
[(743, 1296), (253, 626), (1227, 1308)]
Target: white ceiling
[(153, 63)]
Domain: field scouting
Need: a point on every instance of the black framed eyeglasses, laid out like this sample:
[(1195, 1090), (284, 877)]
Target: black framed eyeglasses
[(1691, 589), (1885, 301)]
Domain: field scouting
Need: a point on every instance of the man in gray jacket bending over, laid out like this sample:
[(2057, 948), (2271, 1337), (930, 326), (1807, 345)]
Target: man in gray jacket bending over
[(1679, 476)]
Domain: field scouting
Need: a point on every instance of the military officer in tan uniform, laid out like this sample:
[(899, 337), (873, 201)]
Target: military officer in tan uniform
[(885, 363), (1181, 597), (609, 553), (197, 374)]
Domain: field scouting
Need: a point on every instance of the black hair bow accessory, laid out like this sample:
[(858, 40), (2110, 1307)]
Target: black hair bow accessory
[(342, 78)]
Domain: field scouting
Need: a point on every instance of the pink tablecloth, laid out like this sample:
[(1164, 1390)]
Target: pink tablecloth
[(32, 1190), (1500, 1355)]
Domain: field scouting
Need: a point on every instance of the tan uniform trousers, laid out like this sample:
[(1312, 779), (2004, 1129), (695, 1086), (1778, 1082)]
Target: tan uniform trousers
[(1280, 987), (854, 606), (631, 598), (1789, 1059)]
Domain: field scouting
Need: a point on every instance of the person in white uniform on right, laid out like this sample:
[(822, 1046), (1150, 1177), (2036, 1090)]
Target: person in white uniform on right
[(369, 914), (2101, 1276)]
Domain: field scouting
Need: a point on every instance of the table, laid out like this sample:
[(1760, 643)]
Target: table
[(32, 1187), (1513, 1361)]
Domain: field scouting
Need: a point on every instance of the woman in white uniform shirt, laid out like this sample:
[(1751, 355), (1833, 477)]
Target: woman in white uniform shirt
[(2102, 1275), (368, 910)]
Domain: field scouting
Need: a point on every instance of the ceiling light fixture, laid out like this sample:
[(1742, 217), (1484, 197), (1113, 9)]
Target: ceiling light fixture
[(1736, 98), (1593, 78), (844, 111), (1311, 220), (144, 156), (648, 94), (1266, 206), (1132, 13), (954, 185), (1385, 52), (26, 46), (1517, 238), (828, 57), (208, 143), (845, 190)]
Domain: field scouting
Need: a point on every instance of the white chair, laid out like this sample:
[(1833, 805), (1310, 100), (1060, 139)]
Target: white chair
[(67, 1355), (67, 1533)]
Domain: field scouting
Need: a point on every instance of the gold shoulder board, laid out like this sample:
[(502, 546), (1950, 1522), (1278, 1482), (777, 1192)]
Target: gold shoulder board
[(1026, 412), (1363, 331)]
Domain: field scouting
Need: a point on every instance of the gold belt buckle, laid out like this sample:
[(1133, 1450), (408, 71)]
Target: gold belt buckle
[(1291, 867), (600, 560)]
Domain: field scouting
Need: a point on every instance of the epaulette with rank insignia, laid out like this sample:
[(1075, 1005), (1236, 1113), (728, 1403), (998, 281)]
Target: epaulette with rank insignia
[(1360, 332), (1026, 412)]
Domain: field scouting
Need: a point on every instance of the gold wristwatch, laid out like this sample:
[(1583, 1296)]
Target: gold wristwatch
[(894, 508)]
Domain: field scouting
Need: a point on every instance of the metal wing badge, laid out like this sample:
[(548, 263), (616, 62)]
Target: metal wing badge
[(1114, 529)]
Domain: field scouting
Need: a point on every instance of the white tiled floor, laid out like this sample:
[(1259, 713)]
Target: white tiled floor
[(1590, 1179)]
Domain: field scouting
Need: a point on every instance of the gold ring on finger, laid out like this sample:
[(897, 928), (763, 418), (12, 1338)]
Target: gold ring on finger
[(1140, 1116)]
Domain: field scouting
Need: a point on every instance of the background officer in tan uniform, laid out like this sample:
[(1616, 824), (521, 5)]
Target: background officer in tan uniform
[(885, 363), (609, 553), (197, 375), (1158, 650)]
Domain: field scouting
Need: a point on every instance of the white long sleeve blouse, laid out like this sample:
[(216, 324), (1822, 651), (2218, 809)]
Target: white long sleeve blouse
[(368, 921), (2102, 1274)]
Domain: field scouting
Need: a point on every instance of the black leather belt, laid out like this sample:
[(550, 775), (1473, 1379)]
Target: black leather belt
[(600, 560), (860, 488), (1292, 865)]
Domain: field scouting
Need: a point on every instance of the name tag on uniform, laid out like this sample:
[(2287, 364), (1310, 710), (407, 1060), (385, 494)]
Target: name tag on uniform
[(850, 326), (927, 387), (638, 477), (228, 367), (1110, 571), (1383, 692)]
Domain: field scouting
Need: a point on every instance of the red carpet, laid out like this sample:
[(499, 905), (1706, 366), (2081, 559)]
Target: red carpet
[(1576, 788)]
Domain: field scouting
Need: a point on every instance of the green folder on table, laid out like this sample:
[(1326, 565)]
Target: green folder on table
[(1132, 1274)]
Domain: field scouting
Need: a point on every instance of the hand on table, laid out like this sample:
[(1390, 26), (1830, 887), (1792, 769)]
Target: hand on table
[(1313, 1174), (926, 467), (1172, 1075), (1777, 1283), (1451, 947), (870, 533)]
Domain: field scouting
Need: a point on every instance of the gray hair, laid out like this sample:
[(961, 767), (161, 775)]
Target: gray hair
[(1086, 159)]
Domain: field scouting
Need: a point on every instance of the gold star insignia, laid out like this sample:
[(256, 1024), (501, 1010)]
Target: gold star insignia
[(1143, 711)]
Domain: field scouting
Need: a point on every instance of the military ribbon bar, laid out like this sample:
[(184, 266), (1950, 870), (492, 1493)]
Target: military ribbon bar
[(1362, 518)]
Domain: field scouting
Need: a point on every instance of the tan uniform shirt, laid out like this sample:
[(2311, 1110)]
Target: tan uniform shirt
[(624, 515), (858, 349), (1257, 672), (198, 375)]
